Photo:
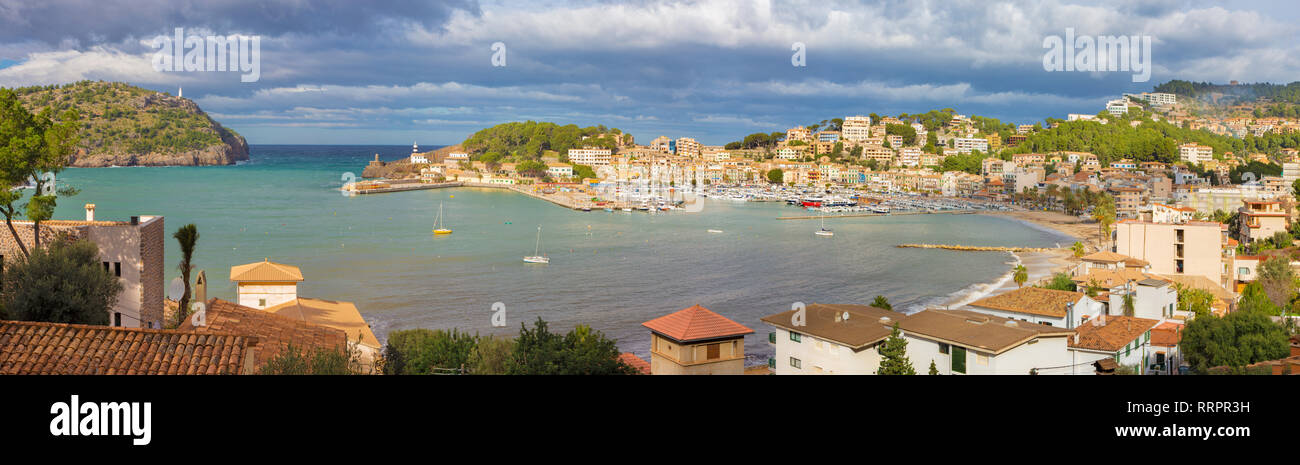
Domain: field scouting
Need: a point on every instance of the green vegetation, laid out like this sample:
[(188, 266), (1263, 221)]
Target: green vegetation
[(882, 302), (1199, 302), (1021, 275), (1241, 338), (907, 132), (525, 141), (121, 118), (776, 176), (62, 283), (295, 360), (1061, 282), (535, 351), (583, 171), (32, 146), (893, 355), (186, 236)]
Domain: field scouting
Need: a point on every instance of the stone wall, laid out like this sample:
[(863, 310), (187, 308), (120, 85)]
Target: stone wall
[(152, 237)]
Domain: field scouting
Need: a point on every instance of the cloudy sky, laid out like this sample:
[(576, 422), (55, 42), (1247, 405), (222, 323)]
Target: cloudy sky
[(390, 72)]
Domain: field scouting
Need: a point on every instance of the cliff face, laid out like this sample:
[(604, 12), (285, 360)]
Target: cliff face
[(123, 125)]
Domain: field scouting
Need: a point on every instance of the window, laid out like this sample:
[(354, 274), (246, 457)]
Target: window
[(1128, 349), (794, 362), (714, 352), (117, 269), (261, 302), (771, 337), (117, 319), (796, 337), (943, 348), (106, 267), (771, 363), (1243, 271), (959, 360)]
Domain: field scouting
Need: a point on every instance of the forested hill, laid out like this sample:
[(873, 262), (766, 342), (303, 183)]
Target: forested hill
[(124, 125), (1148, 140), (524, 141)]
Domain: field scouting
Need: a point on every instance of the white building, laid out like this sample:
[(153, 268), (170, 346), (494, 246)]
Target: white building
[(829, 339), (1117, 107), (265, 284), (591, 156), (1126, 340), (1195, 153), (972, 343), (1062, 309), (856, 128), (968, 144)]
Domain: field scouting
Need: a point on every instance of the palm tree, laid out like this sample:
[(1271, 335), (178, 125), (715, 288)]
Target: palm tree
[(1022, 275), (1078, 249), (882, 302), (187, 236), (1128, 303)]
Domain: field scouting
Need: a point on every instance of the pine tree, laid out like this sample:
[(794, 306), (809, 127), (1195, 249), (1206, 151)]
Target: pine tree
[(933, 369), (893, 355)]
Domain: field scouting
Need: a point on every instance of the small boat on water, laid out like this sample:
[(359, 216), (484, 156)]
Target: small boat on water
[(438, 227), (537, 257), (715, 231), (823, 231), (609, 209)]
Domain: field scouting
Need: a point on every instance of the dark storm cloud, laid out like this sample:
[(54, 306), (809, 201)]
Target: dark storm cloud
[(92, 21)]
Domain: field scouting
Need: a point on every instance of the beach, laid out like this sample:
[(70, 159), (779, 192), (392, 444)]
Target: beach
[(1085, 231)]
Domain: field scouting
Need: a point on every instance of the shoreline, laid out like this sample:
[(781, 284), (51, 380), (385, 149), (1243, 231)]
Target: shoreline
[(1071, 226)]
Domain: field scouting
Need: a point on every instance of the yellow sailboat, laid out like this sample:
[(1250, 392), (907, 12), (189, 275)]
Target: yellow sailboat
[(438, 227)]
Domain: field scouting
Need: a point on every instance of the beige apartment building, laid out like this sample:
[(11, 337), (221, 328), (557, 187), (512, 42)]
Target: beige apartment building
[(1260, 220), (1191, 248), (130, 250)]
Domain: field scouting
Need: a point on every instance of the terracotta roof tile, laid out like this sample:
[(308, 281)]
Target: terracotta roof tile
[(1031, 300), (67, 349), (265, 271), (1111, 333), (636, 362), (694, 324), (274, 332)]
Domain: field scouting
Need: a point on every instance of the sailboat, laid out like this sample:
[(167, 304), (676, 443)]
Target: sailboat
[(823, 231), (537, 257), (438, 227)]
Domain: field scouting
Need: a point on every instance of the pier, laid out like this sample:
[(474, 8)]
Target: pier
[(971, 248), (868, 215)]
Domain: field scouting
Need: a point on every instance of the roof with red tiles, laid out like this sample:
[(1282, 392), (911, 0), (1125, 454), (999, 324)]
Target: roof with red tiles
[(1110, 333), (1032, 301), (695, 324), (265, 270), (632, 360), (1167, 334), (274, 332), (28, 347)]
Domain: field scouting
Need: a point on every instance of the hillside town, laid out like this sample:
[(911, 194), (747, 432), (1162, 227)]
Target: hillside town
[(1196, 237)]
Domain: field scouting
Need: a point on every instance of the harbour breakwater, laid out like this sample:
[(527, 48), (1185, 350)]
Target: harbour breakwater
[(972, 248)]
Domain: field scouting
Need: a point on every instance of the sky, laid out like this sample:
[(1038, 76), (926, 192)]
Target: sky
[(397, 72)]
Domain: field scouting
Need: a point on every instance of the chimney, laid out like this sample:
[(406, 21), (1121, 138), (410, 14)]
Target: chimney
[(201, 287), (90, 212), (250, 356)]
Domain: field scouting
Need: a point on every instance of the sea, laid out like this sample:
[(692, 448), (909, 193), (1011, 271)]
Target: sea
[(611, 271)]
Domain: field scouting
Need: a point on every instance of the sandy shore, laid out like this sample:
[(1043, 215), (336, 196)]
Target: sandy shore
[(1087, 232)]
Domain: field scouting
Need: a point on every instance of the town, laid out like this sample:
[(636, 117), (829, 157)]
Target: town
[(1188, 239)]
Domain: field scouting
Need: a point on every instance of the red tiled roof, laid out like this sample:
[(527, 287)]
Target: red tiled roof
[(694, 324), (66, 349), (635, 362), (1167, 334), (274, 332), (1112, 333)]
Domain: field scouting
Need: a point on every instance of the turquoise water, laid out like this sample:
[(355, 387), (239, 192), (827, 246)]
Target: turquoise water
[(612, 271)]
